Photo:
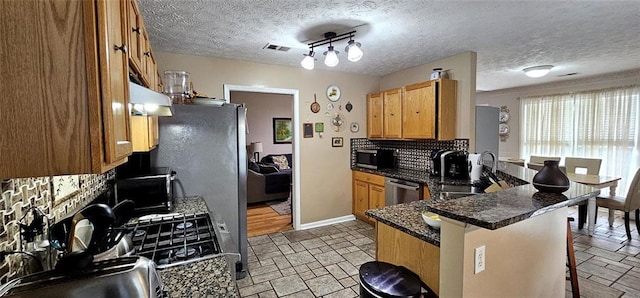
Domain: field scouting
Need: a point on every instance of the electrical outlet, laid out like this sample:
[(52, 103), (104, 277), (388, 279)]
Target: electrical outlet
[(479, 260)]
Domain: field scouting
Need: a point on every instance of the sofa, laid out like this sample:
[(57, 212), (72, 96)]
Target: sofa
[(270, 179)]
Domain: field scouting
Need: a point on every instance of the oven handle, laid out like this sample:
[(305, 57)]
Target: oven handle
[(403, 186)]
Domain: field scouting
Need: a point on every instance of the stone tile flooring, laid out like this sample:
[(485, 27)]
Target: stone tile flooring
[(324, 262)]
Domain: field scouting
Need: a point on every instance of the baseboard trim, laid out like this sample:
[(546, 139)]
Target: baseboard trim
[(327, 222)]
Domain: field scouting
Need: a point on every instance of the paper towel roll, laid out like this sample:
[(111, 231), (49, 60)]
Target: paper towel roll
[(476, 166)]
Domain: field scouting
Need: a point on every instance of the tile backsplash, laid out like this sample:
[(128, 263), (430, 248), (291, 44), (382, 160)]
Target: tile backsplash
[(20, 194), (412, 154)]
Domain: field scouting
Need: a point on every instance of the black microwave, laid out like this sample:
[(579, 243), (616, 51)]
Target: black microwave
[(151, 191), (376, 159)]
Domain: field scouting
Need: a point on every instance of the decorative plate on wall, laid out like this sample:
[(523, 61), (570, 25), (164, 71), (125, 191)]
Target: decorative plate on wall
[(355, 127), (503, 129), (333, 92)]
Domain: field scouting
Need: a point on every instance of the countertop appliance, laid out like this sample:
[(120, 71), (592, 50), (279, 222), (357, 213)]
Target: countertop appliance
[(398, 191), (456, 165), (206, 145), (376, 158), (121, 277), (174, 239), (437, 158), (152, 191)]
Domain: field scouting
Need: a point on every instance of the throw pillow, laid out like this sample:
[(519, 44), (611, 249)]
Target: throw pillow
[(281, 161), (267, 169), (254, 166)]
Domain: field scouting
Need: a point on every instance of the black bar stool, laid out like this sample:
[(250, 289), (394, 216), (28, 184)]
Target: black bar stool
[(380, 279)]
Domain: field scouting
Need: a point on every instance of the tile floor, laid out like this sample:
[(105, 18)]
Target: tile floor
[(324, 262)]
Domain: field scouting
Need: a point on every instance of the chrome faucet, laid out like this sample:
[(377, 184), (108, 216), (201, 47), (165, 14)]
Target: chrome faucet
[(494, 167)]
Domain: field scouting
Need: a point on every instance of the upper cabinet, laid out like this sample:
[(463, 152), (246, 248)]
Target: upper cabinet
[(392, 114), (136, 42), (65, 89), (374, 115), (424, 110)]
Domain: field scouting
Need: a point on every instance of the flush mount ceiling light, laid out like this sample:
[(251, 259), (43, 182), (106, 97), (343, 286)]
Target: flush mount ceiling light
[(354, 53), (537, 71)]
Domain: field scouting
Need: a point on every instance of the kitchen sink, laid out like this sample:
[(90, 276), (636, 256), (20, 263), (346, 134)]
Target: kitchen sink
[(459, 188), (457, 194), (121, 277)]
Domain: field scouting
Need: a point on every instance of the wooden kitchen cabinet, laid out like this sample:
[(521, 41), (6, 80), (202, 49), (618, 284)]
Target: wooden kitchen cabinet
[(374, 115), (368, 193), (66, 111), (392, 107), (399, 248), (144, 133), (134, 31), (424, 110), (429, 110)]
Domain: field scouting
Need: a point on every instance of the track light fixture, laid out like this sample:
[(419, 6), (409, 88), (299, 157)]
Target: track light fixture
[(354, 53)]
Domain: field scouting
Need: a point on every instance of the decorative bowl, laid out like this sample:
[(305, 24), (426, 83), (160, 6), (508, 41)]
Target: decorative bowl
[(432, 219)]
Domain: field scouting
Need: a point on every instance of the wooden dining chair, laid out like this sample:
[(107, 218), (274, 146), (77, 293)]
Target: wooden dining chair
[(626, 204), (592, 165), (537, 162)]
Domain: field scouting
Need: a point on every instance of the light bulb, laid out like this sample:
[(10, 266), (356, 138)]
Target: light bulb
[(537, 71), (331, 58), (354, 53), (308, 62)]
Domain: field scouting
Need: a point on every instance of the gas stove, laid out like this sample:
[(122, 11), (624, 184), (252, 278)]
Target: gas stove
[(173, 239)]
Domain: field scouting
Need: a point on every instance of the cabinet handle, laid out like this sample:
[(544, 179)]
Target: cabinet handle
[(136, 30), (148, 54), (391, 114), (417, 112), (122, 48)]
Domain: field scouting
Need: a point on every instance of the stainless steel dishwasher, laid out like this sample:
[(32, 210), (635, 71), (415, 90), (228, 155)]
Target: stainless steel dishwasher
[(397, 191)]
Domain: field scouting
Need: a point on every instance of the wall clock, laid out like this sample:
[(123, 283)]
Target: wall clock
[(333, 92)]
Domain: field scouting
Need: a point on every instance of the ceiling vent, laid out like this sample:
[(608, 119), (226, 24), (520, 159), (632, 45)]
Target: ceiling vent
[(275, 47)]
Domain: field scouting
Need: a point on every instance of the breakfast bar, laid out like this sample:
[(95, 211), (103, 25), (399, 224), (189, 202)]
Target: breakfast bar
[(516, 234)]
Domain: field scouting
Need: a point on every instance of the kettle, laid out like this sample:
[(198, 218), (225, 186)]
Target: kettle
[(475, 166)]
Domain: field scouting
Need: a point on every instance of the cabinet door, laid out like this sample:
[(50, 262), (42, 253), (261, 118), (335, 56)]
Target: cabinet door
[(374, 115), (115, 78), (376, 196), (360, 198), (393, 114), (419, 111), (153, 131), (447, 107), (134, 31)]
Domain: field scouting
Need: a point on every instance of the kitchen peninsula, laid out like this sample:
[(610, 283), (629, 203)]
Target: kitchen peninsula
[(522, 232)]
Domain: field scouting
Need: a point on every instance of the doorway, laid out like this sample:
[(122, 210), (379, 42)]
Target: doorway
[(257, 210)]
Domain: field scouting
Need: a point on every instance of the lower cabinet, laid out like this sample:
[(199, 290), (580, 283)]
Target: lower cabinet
[(399, 248), (144, 133), (368, 193)]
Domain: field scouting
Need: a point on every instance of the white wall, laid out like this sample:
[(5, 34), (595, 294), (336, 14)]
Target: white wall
[(509, 98)]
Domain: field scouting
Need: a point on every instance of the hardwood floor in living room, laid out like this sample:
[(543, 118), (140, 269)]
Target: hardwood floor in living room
[(262, 220)]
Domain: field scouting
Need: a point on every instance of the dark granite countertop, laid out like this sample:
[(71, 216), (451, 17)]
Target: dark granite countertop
[(209, 277), (490, 210)]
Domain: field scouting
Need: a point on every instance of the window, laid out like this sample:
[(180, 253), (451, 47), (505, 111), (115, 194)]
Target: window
[(601, 124)]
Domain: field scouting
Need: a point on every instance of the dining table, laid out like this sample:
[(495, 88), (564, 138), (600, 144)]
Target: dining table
[(598, 182)]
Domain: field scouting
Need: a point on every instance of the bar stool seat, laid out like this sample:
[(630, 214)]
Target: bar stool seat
[(380, 279)]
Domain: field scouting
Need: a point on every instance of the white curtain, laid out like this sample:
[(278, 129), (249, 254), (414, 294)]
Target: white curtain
[(601, 124)]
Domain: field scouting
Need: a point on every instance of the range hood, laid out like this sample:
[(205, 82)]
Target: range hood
[(148, 102)]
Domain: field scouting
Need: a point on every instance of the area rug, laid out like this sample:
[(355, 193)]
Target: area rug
[(282, 207)]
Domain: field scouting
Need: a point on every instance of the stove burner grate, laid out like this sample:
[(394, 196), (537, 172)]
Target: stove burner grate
[(186, 253)]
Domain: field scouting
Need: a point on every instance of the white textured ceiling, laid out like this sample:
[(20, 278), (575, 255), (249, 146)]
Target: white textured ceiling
[(584, 37)]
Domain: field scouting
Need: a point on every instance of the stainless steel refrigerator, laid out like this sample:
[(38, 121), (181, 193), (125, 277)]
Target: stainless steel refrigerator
[(206, 146), (487, 133)]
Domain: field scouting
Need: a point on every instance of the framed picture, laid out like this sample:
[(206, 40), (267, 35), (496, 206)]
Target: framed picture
[(336, 142), (307, 130), (319, 126), (282, 131)]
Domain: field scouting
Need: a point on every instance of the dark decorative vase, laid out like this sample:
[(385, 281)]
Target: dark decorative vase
[(550, 178)]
